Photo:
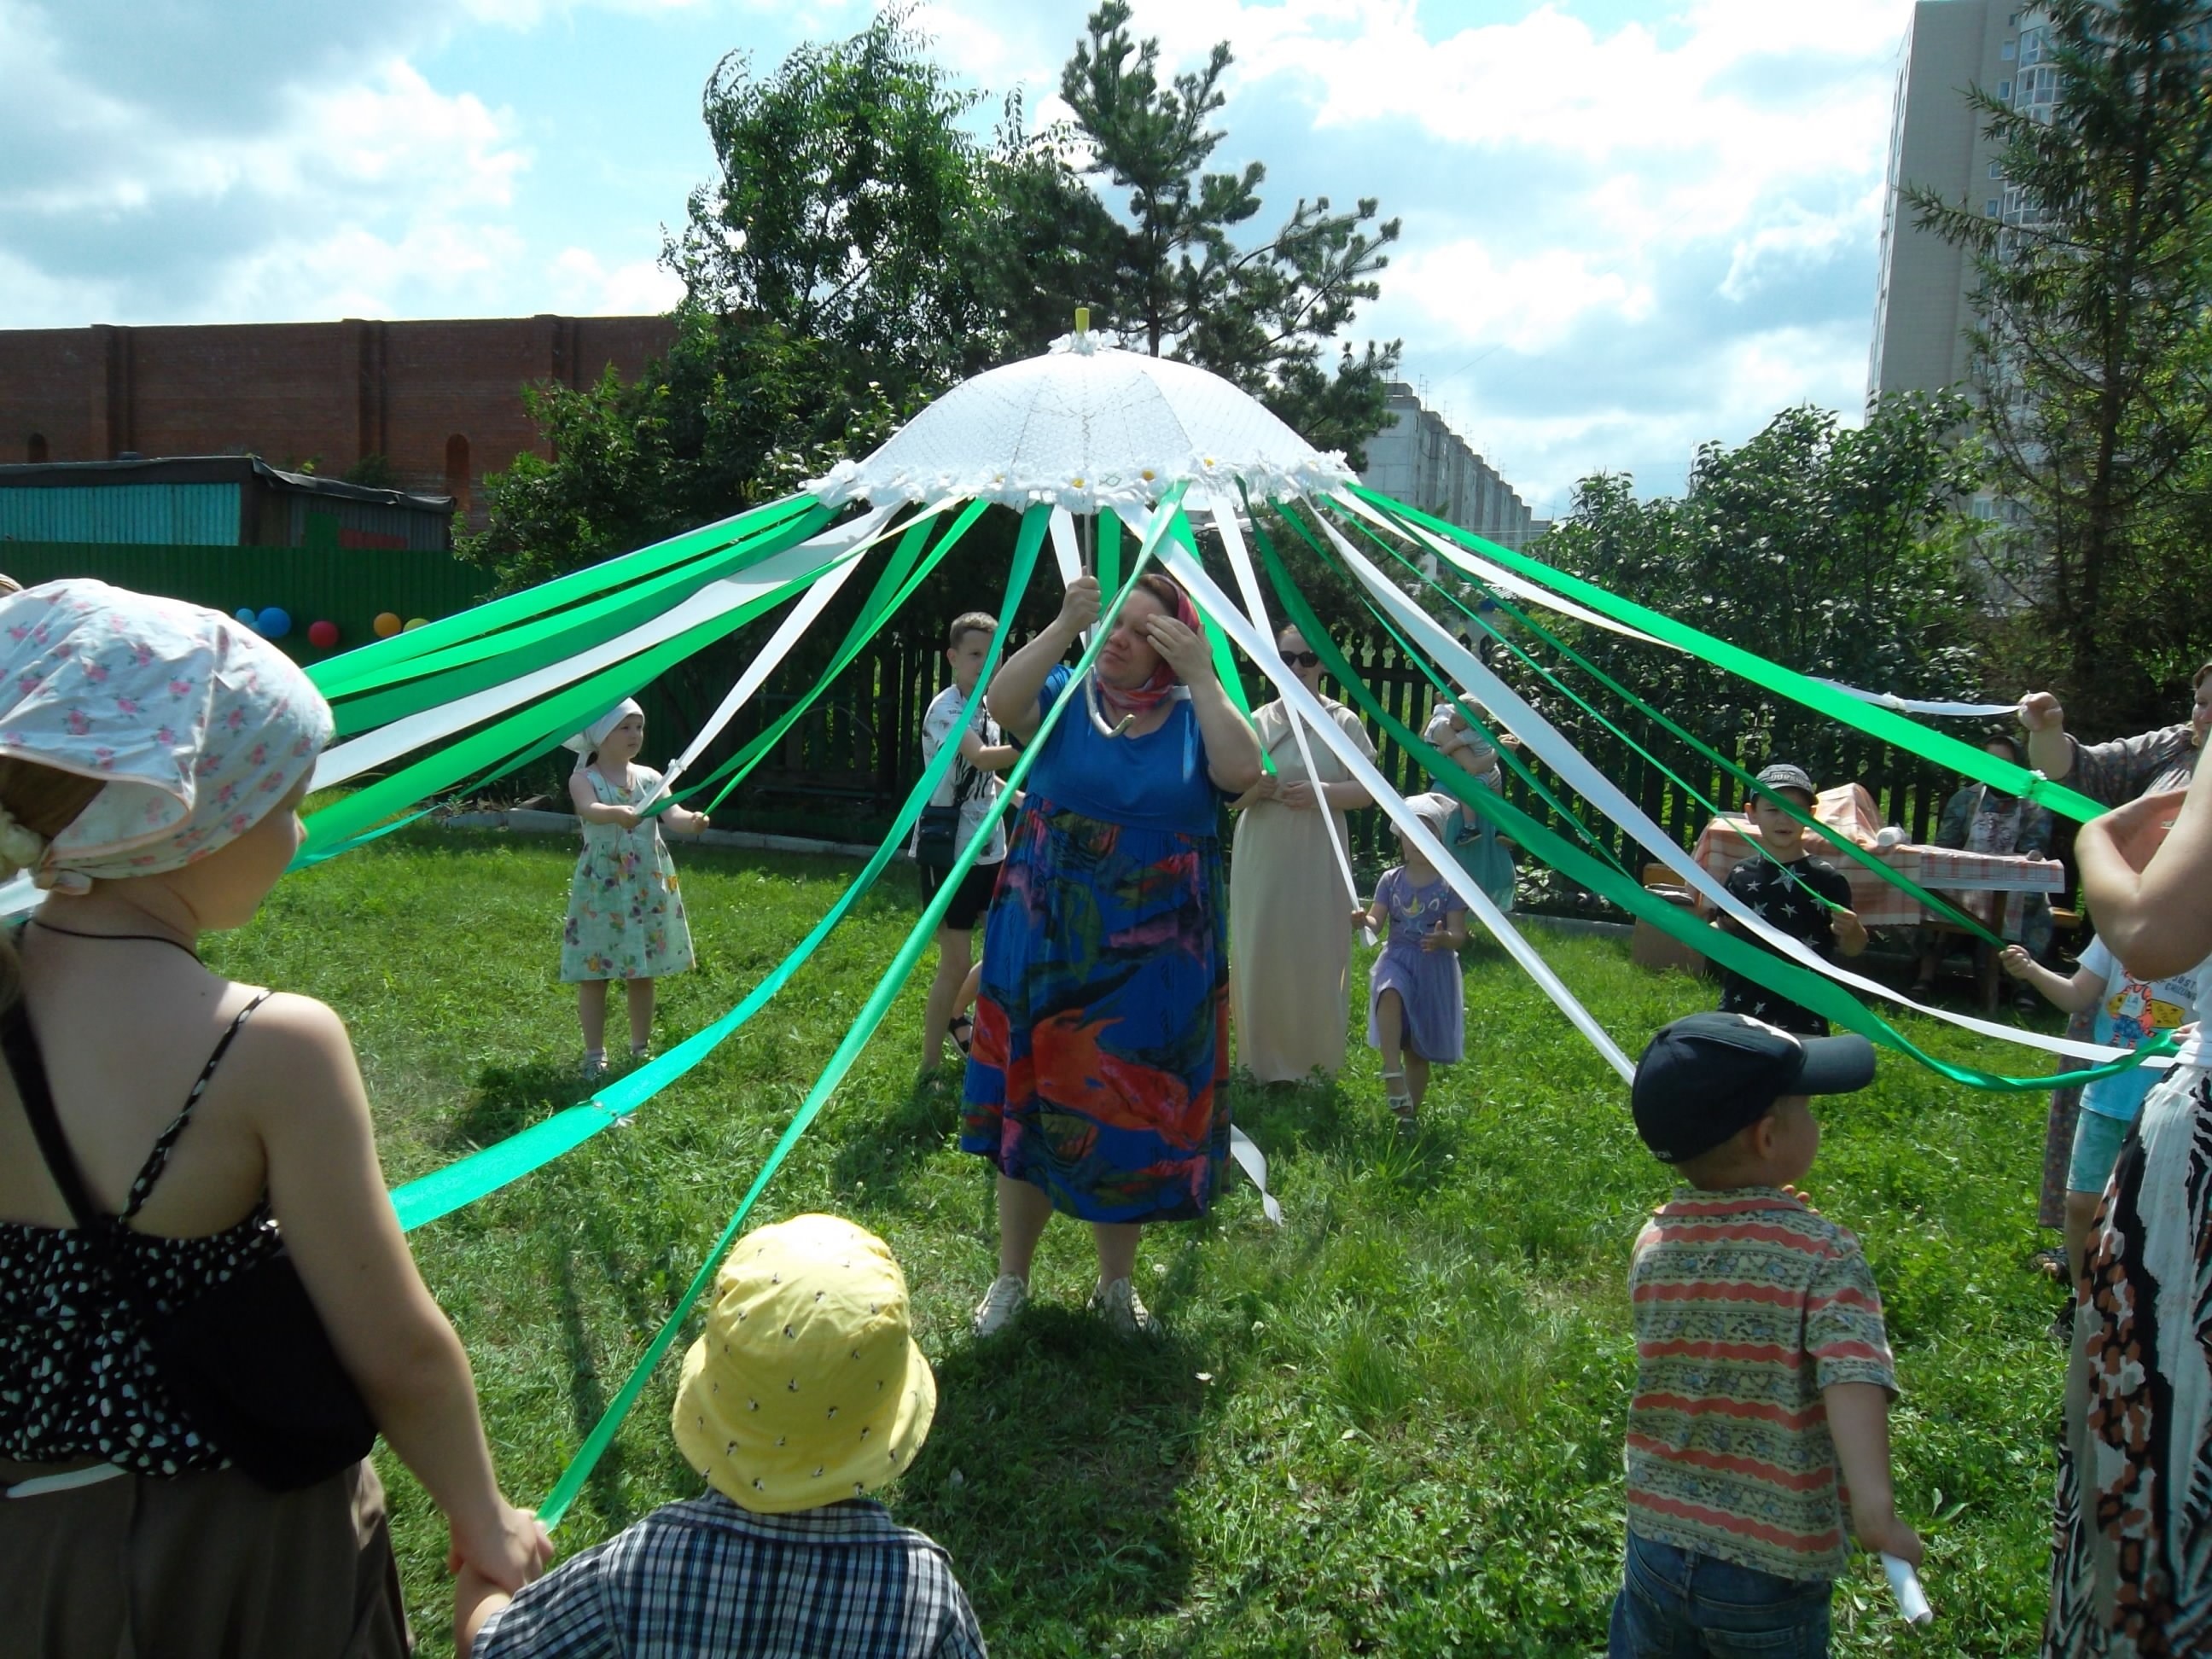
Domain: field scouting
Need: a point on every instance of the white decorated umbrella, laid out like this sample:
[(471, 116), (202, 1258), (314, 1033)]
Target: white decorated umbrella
[(1088, 427)]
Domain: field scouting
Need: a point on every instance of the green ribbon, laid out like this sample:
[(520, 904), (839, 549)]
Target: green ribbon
[(1511, 760), (567, 711), (1746, 957), (495, 659), (902, 586), (1915, 738), (379, 662), (602, 1432)]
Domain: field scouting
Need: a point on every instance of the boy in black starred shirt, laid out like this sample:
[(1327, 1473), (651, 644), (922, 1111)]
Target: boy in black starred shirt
[(1786, 886)]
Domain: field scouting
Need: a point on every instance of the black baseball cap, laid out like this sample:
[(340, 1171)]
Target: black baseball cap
[(1704, 1077)]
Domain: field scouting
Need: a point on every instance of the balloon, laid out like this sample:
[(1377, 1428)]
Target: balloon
[(323, 634), (274, 624), (387, 623), (246, 614), (417, 622)]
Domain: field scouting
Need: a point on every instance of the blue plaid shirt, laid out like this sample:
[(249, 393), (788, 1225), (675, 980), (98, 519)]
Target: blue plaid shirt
[(706, 1577)]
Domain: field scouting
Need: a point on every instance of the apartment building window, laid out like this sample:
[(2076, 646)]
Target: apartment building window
[(2008, 49), (1990, 207), (2004, 92), (1996, 169)]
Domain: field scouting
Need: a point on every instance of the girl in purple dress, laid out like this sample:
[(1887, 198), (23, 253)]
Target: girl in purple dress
[(1416, 1008)]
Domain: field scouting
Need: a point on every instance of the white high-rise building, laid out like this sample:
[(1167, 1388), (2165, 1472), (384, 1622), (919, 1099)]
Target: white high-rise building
[(1925, 305), (1421, 461)]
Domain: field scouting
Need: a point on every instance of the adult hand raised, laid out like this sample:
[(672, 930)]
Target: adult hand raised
[(2040, 712), (1078, 606), (1184, 648)]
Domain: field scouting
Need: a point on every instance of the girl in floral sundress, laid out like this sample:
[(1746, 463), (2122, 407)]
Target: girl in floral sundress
[(625, 915)]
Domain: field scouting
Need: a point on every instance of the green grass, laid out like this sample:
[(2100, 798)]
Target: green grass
[(1393, 1425)]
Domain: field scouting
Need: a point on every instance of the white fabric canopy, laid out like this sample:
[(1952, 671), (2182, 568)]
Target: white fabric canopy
[(1085, 427)]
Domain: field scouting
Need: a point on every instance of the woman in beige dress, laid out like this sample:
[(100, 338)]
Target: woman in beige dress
[(1290, 927)]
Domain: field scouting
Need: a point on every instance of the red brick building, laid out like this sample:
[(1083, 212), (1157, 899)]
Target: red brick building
[(441, 402)]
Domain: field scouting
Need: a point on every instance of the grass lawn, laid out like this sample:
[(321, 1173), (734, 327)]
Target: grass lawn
[(1392, 1424)]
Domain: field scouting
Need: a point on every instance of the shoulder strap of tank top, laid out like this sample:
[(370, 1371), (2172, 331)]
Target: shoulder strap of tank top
[(158, 1159), (28, 1068)]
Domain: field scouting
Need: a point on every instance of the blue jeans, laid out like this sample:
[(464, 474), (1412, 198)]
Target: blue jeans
[(1677, 1605)]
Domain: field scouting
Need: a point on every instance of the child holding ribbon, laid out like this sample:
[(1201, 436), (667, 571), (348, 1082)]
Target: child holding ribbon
[(625, 916), (1416, 1004)]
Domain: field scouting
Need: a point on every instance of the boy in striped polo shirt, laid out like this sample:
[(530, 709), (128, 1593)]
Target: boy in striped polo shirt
[(1763, 1376)]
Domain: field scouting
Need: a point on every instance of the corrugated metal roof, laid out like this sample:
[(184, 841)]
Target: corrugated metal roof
[(202, 514), (209, 469)]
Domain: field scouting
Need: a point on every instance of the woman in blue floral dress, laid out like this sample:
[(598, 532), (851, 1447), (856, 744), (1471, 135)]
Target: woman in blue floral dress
[(1101, 1047), (625, 915)]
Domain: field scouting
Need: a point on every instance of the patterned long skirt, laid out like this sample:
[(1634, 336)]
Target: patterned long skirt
[(1101, 1029), (2131, 1572)]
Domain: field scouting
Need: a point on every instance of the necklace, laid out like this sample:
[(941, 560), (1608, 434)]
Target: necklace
[(156, 938)]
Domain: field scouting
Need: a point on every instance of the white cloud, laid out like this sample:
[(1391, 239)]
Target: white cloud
[(580, 285), (1529, 304), (1685, 188)]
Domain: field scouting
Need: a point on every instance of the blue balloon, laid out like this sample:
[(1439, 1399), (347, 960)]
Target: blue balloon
[(274, 625), (247, 614)]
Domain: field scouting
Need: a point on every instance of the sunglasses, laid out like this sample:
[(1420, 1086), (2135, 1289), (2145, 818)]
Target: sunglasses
[(1302, 658)]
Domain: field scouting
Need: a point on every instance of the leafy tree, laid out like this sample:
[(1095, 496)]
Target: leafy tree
[(1831, 549), (848, 188), (1179, 283), (2093, 357), (860, 250)]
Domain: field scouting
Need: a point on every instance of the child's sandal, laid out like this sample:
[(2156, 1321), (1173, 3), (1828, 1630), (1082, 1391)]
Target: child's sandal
[(1399, 1098), (961, 1030)]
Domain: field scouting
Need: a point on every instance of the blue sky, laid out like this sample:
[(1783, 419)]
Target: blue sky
[(1629, 227)]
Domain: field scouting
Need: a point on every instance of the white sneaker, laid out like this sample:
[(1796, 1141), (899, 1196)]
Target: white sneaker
[(1119, 1306), (1008, 1295)]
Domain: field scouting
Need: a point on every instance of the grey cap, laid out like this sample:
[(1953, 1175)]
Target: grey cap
[(1782, 776)]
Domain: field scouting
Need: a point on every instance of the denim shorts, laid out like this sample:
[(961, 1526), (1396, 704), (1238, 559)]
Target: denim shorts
[(2096, 1148), (1674, 1604)]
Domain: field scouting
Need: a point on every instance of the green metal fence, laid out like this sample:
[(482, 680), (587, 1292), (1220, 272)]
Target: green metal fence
[(350, 586)]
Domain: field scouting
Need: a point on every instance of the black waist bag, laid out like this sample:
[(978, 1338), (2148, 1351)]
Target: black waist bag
[(247, 1360), (937, 842)]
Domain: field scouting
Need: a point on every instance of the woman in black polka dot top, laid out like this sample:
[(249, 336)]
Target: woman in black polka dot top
[(169, 1140)]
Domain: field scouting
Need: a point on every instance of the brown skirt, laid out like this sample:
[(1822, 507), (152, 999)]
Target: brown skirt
[(134, 1567)]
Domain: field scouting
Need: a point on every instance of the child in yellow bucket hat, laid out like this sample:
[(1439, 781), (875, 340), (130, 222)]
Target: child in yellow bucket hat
[(805, 1393)]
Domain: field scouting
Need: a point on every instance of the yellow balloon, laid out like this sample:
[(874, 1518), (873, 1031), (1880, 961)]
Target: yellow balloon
[(387, 624), (418, 622)]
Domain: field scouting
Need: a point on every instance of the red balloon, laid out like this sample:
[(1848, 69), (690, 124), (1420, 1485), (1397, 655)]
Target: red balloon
[(323, 634)]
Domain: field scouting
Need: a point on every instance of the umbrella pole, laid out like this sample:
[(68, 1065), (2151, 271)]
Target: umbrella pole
[(1105, 728)]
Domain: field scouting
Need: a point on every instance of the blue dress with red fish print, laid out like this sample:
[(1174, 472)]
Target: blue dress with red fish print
[(1101, 1050)]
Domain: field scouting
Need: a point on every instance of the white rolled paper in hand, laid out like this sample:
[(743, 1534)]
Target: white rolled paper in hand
[(1904, 1584)]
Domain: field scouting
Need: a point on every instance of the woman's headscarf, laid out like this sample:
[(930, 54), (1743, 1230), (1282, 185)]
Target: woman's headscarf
[(586, 742), (1161, 684), (197, 725)]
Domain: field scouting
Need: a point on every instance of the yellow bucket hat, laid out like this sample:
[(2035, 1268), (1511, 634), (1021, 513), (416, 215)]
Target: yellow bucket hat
[(806, 1386)]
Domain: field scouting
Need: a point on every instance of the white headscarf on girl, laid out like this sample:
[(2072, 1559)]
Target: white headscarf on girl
[(586, 742), (199, 724)]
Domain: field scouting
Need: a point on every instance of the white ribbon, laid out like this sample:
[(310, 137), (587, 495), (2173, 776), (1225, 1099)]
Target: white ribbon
[(787, 633), (1483, 570), (1544, 741), (1218, 609), (1232, 538), (1253, 1162)]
